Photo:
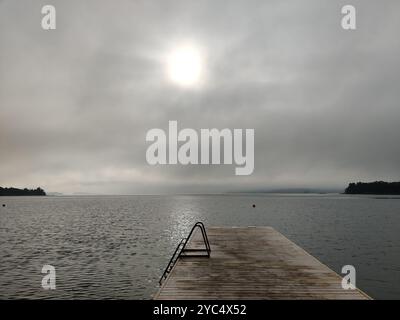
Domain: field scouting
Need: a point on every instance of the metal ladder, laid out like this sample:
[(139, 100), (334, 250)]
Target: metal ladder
[(182, 251)]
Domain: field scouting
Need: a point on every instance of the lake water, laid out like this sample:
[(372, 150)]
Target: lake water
[(116, 247)]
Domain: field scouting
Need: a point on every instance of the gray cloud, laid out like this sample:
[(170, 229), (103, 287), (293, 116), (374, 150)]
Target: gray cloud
[(77, 102)]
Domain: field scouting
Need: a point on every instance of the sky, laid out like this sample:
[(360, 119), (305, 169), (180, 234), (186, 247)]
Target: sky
[(76, 102)]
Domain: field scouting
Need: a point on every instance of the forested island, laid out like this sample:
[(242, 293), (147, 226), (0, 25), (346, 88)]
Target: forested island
[(21, 192), (377, 187)]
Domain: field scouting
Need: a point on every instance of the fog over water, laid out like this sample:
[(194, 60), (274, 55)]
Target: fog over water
[(76, 102)]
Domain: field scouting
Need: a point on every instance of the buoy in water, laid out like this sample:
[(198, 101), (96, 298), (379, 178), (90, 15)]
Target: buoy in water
[(254, 205), (4, 205)]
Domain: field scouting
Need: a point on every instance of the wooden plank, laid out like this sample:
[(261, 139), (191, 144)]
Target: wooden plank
[(252, 263)]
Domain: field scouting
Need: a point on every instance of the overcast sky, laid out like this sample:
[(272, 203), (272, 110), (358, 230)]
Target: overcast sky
[(76, 102)]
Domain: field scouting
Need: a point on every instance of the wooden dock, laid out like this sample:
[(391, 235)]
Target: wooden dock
[(252, 263)]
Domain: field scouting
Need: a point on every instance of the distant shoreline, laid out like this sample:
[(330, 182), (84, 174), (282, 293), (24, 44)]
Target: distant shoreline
[(15, 192), (374, 188)]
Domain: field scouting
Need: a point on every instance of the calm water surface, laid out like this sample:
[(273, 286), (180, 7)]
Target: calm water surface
[(116, 247)]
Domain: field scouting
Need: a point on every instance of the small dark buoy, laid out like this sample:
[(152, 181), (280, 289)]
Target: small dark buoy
[(254, 205), (4, 205)]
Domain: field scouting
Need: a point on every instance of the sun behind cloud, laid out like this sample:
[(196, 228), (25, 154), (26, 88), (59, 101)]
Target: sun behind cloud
[(185, 66)]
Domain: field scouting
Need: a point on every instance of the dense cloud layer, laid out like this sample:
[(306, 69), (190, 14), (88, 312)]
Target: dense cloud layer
[(76, 103)]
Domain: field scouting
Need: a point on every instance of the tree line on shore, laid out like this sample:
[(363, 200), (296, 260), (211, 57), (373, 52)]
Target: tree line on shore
[(21, 192), (377, 187)]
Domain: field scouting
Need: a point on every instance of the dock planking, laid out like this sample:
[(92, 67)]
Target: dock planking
[(252, 263)]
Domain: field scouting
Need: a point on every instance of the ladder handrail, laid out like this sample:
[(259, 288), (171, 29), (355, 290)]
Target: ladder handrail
[(171, 263), (182, 248), (204, 234)]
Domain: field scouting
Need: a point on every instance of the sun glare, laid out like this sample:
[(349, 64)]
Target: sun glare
[(185, 66)]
